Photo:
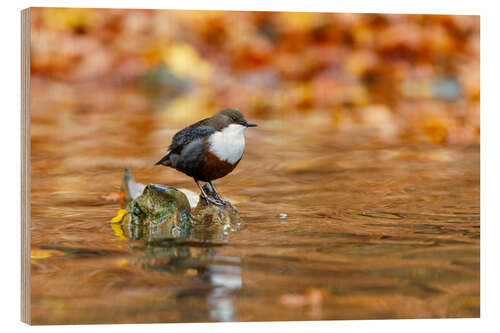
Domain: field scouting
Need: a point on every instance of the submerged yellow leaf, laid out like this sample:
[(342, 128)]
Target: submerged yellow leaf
[(43, 254), (116, 226), (119, 217), (122, 262), (40, 254), (118, 231)]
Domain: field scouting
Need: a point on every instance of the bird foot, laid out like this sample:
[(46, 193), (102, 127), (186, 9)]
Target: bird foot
[(210, 194), (221, 199), (218, 202)]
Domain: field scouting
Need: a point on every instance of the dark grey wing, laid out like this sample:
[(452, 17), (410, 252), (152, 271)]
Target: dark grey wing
[(187, 135), (182, 139)]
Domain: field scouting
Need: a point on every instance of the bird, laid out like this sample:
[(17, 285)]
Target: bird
[(209, 149)]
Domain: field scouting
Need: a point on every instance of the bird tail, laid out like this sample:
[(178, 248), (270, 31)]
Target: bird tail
[(164, 161)]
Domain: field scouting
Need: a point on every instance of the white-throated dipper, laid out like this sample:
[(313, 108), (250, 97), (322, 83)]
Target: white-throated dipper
[(209, 149)]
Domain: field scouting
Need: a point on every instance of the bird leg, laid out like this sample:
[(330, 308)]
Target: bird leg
[(207, 198), (217, 195)]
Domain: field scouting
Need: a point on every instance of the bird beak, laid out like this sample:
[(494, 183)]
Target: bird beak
[(250, 125)]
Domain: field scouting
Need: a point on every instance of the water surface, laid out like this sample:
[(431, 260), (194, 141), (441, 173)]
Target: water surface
[(339, 225)]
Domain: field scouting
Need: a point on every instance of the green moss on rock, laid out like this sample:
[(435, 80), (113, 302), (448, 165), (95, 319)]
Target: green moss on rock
[(159, 212)]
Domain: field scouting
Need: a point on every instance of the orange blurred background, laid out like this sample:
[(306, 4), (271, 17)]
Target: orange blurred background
[(411, 77)]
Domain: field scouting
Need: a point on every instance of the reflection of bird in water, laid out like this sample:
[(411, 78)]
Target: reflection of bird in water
[(209, 149), (222, 277), (225, 278)]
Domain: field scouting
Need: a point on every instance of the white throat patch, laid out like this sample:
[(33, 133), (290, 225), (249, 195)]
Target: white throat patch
[(228, 144)]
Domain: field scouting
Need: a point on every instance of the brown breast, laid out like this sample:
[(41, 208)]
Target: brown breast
[(212, 167)]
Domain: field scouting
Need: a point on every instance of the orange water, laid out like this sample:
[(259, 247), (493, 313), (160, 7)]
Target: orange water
[(369, 227)]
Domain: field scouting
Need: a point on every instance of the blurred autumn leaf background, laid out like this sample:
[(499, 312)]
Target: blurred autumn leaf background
[(410, 77), (360, 186)]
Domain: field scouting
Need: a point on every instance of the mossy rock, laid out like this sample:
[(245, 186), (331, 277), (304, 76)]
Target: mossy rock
[(213, 222), (159, 212)]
